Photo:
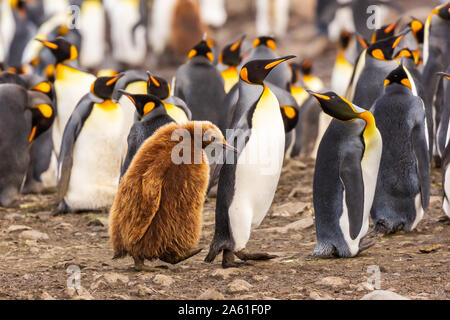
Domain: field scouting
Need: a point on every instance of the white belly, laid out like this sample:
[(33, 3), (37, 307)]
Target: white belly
[(96, 161), (92, 28), (370, 164), (445, 203), (257, 172)]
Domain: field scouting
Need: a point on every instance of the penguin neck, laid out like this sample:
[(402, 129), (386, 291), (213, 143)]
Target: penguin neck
[(370, 129), (249, 93), (107, 105)]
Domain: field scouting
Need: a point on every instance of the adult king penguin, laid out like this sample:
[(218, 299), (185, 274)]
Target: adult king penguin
[(89, 163), (70, 84), (446, 152), (345, 177), (259, 137), (372, 67), (200, 84), (403, 187)]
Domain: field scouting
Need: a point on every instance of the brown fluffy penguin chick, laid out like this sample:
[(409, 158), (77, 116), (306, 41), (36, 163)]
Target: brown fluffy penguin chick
[(157, 211)]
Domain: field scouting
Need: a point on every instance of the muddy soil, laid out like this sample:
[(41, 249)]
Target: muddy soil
[(415, 265)]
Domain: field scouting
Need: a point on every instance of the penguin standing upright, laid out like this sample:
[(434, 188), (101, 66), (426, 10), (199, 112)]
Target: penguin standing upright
[(372, 67), (229, 60), (446, 152), (71, 84), (175, 106), (343, 65), (436, 59), (265, 48), (345, 177), (92, 29), (403, 186), (23, 117), (89, 162), (129, 45), (259, 137), (200, 84)]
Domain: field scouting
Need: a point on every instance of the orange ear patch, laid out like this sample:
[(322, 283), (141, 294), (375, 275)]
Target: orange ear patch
[(406, 82), (149, 106), (244, 74), (192, 53), (378, 54), (271, 44), (42, 87), (289, 112)]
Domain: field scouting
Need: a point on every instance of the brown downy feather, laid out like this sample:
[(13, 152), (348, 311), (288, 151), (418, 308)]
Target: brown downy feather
[(187, 27), (157, 211)]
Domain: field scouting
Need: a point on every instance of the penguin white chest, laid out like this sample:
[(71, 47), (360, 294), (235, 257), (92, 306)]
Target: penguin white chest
[(96, 160), (370, 165), (258, 169)]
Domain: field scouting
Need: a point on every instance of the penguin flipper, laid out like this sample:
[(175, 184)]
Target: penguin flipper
[(70, 135), (423, 160), (151, 191), (350, 172)]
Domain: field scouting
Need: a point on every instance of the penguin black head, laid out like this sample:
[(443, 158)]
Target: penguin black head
[(62, 49), (231, 54), (305, 67), (338, 107), (158, 86), (269, 42), (344, 39), (255, 71), (385, 32), (406, 53), (384, 49), (103, 87), (144, 103), (290, 117), (42, 118), (202, 49), (398, 76), (417, 28), (44, 87), (443, 11)]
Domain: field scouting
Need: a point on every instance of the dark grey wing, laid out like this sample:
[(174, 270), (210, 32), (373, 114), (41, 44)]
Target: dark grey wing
[(132, 148), (71, 132), (350, 172), (422, 156)]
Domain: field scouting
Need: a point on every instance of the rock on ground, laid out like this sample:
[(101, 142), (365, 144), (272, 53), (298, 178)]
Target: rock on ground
[(383, 295), (211, 294)]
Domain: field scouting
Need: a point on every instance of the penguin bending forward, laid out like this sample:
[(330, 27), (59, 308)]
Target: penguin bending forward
[(345, 177), (259, 136), (89, 162)]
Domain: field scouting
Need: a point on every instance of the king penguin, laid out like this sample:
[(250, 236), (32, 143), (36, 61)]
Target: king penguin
[(403, 186), (265, 48), (259, 137), (345, 177), (200, 85), (372, 67), (89, 163), (446, 152), (152, 114), (229, 60), (24, 115), (70, 84)]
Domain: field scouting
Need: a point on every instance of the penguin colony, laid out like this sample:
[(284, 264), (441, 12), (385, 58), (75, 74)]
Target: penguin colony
[(148, 149)]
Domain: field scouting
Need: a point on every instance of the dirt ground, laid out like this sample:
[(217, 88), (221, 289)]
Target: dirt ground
[(415, 265), (411, 264)]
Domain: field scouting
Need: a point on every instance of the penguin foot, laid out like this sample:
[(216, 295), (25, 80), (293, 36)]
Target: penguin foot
[(174, 260), (61, 209), (228, 260), (140, 266), (365, 244), (244, 255)]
